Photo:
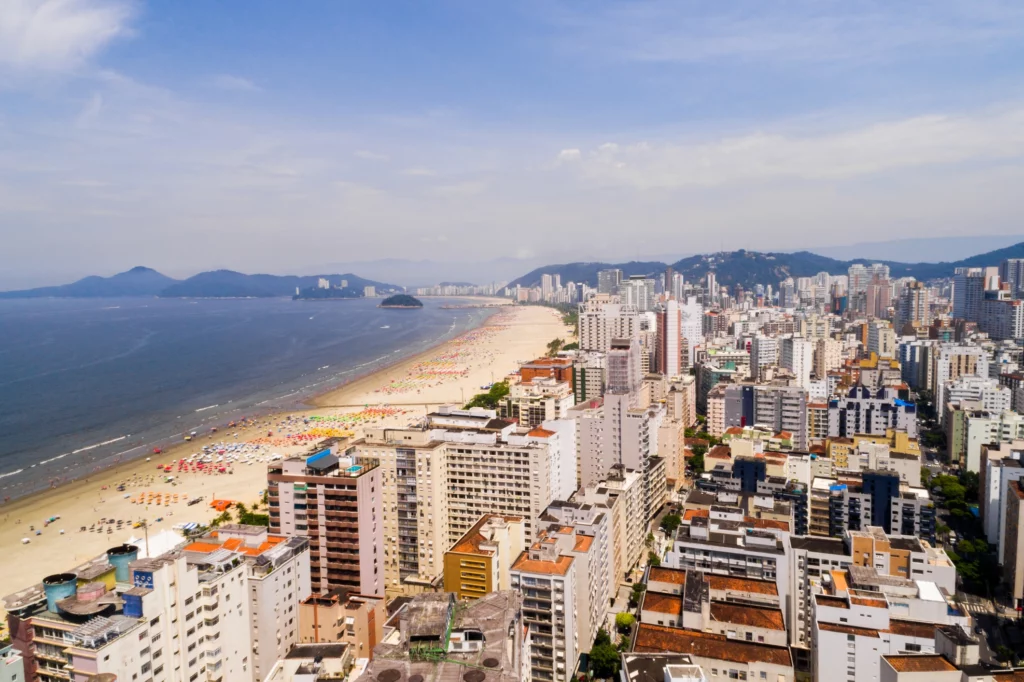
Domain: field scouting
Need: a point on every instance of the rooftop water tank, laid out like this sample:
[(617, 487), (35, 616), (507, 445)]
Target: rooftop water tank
[(120, 557), (57, 587)]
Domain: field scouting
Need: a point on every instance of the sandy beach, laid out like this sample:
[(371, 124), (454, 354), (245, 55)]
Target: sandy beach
[(450, 373)]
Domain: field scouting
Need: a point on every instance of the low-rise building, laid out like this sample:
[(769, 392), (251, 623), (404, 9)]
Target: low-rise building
[(479, 562), (342, 616), (435, 640)]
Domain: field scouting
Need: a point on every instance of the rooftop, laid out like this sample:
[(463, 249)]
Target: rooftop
[(559, 566), (753, 616), (657, 638), (674, 576), (726, 583), (662, 603), (928, 663), (477, 539)]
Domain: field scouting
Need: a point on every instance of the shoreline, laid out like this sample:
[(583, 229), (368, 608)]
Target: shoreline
[(284, 404), (393, 396)]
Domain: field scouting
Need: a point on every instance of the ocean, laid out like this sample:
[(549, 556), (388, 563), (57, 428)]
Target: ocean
[(87, 383)]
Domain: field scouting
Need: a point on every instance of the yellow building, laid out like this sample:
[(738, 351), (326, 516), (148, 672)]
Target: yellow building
[(898, 441), (479, 562), (840, 450)]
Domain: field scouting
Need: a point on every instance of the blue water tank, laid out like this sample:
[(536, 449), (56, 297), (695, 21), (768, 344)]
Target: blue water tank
[(132, 605), (57, 587), (119, 557)]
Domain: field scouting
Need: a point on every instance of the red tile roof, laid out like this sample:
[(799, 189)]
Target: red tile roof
[(662, 603), (527, 565), (726, 583), (927, 663), (660, 639), (753, 616), (674, 576)]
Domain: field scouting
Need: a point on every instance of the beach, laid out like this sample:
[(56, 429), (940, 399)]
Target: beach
[(230, 464)]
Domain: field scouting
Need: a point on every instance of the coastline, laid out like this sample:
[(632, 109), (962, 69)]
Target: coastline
[(380, 397)]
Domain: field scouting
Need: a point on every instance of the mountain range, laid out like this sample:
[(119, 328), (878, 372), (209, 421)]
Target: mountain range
[(142, 281), (748, 268)]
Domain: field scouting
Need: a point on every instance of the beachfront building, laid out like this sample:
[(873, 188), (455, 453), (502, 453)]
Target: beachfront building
[(537, 400), (335, 503), (187, 614), (480, 561), (441, 477)]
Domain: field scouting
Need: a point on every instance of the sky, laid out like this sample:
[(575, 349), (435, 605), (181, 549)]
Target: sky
[(280, 136)]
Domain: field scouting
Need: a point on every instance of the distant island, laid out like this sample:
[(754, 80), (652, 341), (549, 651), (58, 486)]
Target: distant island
[(401, 301)]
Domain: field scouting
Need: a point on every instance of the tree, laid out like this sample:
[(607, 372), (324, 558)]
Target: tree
[(554, 346), (604, 661), (602, 637), (571, 346), (670, 522), (653, 559), (636, 594), (969, 480), (490, 399), (624, 622)]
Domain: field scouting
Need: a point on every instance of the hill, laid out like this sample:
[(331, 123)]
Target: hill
[(139, 281), (748, 268), (401, 301), (231, 284)]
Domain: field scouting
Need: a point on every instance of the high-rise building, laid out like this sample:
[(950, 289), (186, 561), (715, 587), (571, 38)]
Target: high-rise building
[(603, 318), (764, 352), (969, 286), (787, 293), (1011, 272), (828, 356), (878, 298), (712, 288), (336, 503), (797, 355), (693, 328), (546, 286), (881, 339), (128, 617), (1013, 552), (913, 307), (442, 477), (608, 281), (670, 336), (1001, 317), (638, 291)]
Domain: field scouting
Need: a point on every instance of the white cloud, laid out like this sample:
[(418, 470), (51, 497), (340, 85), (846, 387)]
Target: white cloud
[(226, 81), (367, 155), (927, 140), (420, 172), (91, 110), (568, 155), (861, 30), (59, 34), (459, 189)]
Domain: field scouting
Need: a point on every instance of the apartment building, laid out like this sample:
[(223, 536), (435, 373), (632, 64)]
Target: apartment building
[(604, 318), (877, 498), (480, 562), (621, 497), (863, 411), (1013, 542), (717, 655), (459, 465), (336, 504), (982, 427), (546, 575), (535, 401), (863, 616), (185, 614), (901, 557)]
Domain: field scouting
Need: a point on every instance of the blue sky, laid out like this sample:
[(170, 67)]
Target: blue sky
[(280, 137)]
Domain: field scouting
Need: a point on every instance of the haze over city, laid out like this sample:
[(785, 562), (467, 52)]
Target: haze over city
[(187, 136)]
